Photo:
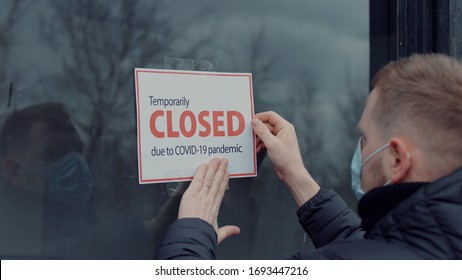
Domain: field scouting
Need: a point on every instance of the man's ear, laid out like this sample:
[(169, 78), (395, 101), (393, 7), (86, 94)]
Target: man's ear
[(401, 160), (13, 171)]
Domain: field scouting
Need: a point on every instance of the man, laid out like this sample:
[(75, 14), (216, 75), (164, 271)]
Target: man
[(41, 151), (48, 182), (408, 163)]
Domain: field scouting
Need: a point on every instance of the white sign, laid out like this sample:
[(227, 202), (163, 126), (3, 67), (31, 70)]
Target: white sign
[(186, 118)]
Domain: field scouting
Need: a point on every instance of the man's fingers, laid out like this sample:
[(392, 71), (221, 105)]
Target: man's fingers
[(227, 231), (210, 174), (271, 118), (198, 180), (221, 191), (260, 147), (262, 131), (219, 176)]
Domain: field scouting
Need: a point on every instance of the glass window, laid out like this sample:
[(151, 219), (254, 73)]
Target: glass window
[(67, 109)]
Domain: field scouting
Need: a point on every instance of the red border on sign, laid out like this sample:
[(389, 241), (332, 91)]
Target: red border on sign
[(140, 169)]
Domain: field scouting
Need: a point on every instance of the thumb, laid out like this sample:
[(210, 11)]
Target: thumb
[(262, 131), (227, 231)]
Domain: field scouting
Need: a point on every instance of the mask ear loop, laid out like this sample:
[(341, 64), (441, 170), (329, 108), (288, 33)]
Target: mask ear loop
[(26, 185), (376, 152), (389, 182), (372, 155)]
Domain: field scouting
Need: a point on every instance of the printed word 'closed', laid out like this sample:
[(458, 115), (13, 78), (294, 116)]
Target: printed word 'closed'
[(206, 123)]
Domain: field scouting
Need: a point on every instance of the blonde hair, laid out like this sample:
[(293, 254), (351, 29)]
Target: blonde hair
[(421, 96)]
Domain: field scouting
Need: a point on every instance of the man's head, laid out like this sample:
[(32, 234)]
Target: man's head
[(416, 108), (32, 139)]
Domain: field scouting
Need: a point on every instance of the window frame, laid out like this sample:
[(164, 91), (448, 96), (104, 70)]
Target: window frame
[(399, 28)]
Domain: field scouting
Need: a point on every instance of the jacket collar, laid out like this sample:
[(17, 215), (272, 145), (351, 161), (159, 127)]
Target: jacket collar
[(381, 200), (399, 198)]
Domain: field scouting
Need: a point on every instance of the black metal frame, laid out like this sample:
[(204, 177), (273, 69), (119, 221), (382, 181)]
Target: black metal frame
[(399, 28)]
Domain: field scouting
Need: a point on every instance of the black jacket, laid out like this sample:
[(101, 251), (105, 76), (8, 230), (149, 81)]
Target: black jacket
[(409, 221)]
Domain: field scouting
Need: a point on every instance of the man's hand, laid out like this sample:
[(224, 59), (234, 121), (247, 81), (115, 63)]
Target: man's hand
[(203, 197), (279, 138)]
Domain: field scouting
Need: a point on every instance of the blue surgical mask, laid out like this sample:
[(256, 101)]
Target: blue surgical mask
[(357, 164), (69, 179)]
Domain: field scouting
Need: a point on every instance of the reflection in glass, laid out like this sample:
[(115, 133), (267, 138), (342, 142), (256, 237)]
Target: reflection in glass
[(75, 61)]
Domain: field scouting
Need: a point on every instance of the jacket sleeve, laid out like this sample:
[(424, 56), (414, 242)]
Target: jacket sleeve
[(364, 249), (327, 218), (188, 238)]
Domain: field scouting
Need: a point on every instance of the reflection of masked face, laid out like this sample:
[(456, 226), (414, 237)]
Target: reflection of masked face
[(69, 179)]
